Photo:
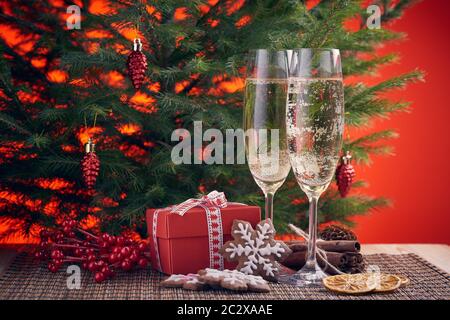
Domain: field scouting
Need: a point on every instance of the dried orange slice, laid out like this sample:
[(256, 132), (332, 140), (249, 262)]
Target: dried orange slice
[(351, 283), (404, 279), (387, 282)]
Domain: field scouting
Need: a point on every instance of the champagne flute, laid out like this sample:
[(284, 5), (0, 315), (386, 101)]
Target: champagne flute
[(315, 124), (265, 121)]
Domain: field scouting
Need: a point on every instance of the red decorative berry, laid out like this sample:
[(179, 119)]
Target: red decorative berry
[(116, 250), (59, 237), (92, 266), (120, 241), (112, 257), (125, 252), (38, 255), (43, 245), (142, 247), (78, 252), (112, 240), (137, 65), (142, 263), (100, 264), (106, 271), (58, 262), (56, 254), (126, 265), (133, 257), (53, 267), (104, 244), (345, 173), (99, 277)]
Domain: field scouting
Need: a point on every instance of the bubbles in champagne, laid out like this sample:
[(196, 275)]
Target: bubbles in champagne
[(315, 123), (271, 170), (266, 147)]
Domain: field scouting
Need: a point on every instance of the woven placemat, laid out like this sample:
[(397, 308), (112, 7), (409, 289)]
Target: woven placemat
[(26, 279)]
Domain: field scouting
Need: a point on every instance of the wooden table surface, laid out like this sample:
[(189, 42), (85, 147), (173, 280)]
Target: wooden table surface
[(437, 254)]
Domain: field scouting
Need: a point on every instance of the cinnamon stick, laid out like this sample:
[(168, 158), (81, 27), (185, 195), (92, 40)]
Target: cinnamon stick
[(330, 246), (340, 245)]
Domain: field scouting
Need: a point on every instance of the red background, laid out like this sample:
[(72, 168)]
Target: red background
[(416, 178)]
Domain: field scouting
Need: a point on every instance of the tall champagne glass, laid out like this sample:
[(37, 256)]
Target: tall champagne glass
[(265, 121), (315, 123)]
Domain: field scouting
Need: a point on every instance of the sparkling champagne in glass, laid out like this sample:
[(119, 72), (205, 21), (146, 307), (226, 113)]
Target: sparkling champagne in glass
[(315, 124), (265, 122)]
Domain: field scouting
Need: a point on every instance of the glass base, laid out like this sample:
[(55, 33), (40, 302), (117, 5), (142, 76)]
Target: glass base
[(307, 276)]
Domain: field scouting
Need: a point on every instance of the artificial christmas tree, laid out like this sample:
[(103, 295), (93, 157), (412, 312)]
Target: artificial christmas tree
[(54, 80)]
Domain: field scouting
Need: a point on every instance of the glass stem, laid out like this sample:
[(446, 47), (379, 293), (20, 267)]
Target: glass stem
[(311, 259), (269, 206)]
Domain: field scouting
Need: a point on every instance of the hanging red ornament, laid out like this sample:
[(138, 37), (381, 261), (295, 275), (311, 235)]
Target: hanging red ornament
[(345, 173), (90, 165), (137, 64)]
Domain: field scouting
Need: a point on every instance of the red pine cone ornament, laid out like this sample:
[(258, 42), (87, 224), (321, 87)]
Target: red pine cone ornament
[(137, 64), (90, 165), (345, 173)]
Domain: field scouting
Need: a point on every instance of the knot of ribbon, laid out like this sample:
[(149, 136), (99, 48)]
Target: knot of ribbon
[(213, 199)]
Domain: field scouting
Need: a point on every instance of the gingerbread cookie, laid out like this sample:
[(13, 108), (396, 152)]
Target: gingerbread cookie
[(233, 280), (256, 251), (189, 282)]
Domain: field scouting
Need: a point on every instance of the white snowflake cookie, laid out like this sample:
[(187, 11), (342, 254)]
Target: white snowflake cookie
[(256, 251)]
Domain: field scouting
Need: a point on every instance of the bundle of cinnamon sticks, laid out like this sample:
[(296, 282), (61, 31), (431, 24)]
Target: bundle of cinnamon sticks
[(343, 254)]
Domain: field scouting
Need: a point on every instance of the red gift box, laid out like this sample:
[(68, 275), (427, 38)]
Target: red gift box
[(183, 242)]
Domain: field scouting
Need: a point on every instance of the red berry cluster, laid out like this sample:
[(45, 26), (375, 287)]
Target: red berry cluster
[(102, 254)]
